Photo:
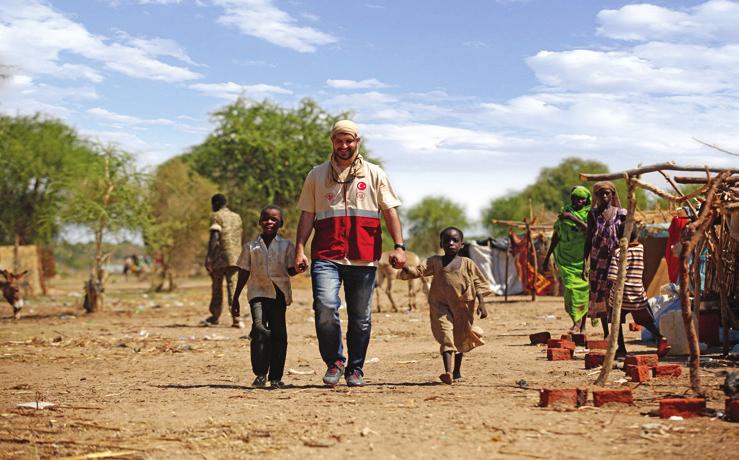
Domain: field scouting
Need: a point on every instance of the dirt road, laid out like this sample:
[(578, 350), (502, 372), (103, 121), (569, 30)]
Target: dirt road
[(142, 378)]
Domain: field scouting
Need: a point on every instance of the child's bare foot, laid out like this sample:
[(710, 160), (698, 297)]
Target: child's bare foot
[(446, 377), (456, 375)]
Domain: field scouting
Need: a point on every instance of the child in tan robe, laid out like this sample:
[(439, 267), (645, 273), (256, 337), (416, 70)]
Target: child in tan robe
[(457, 283)]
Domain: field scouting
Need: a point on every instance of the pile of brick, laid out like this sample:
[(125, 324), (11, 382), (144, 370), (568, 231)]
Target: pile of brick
[(638, 368), (549, 397), (641, 368)]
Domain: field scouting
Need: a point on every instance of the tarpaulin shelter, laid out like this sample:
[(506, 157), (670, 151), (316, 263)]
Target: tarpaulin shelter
[(492, 256)]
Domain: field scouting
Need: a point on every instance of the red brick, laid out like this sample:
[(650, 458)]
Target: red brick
[(682, 407), (633, 327), (642, 360), (732, 409), (601, 397), (569, 396), (667, 370), (561, 343), (639, 373), (559, 354), (540, 337), (594, 359), (597, 344), (579, 339)]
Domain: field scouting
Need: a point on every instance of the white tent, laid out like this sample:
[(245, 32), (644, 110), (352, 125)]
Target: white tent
[(491, 259)]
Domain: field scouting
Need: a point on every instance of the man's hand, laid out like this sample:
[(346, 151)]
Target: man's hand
[(482, 311), (584, 274), (208, 264), (397, 258), (301, 262)]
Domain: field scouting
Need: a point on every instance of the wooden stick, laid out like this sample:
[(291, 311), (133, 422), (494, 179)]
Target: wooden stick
[(619, 286), (673, 198), (669, 166), (715, 147), (532, 254), (520, 224), (677, 189), (693, 235), (507, 256), (696, 278), (702, 180), (718, 259)]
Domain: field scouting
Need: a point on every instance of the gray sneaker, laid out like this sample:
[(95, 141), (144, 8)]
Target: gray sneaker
[(354, 378), (333, 373), (209, 322)]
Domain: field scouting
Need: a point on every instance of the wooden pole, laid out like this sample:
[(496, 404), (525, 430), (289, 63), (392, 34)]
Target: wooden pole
[(669, 166), (702, 180), (619, 286), (716, 246), (694, 234), (507, 257), (678, 191), (521, 224), (531, 252)]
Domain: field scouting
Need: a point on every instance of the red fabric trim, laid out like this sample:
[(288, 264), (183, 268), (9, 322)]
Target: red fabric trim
[(351, 237)]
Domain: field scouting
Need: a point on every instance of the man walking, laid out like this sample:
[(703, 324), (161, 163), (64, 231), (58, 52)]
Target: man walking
[(224, 248), (342, 200)]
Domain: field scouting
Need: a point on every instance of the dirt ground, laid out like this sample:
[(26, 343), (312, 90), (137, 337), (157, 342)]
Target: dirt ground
[(141, 380)]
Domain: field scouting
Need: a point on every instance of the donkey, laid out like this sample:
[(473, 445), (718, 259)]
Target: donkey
[(386, 274), (11, 290)]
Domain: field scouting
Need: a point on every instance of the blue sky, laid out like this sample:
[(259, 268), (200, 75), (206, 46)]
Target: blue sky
[(462, 99)]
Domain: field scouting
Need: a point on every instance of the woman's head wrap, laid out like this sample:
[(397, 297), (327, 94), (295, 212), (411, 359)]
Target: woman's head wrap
[(606, 184), (579, 191)]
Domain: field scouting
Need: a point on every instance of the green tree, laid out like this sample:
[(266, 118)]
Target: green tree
[(260, 153), (429, 217), (549, 192), (178, 231), (111, 197), (39, 158)]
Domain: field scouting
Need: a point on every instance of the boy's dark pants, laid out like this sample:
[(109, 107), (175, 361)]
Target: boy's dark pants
[(268, 352)]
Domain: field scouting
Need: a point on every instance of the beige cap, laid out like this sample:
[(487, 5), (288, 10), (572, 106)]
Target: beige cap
[(345, 127)]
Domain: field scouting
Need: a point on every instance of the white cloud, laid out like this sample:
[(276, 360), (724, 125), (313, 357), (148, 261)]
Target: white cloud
[(34, 36), (19, 93), (476, 44), (147, 152), (371, 83), (588, 70), (159, 2), (712, 20), (231, 90), (107, 115), (262, 19), (254, 63)]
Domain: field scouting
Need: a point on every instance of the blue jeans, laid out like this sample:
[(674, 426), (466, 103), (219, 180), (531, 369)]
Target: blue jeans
[(359, 282)]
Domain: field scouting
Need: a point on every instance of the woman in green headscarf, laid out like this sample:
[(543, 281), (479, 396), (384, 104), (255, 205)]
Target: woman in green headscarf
[(568, 245)]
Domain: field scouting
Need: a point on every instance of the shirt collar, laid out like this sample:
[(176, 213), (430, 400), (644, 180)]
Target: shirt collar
[(261, 240)]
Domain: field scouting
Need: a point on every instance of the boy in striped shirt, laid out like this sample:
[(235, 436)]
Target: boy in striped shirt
[(635, 297)]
